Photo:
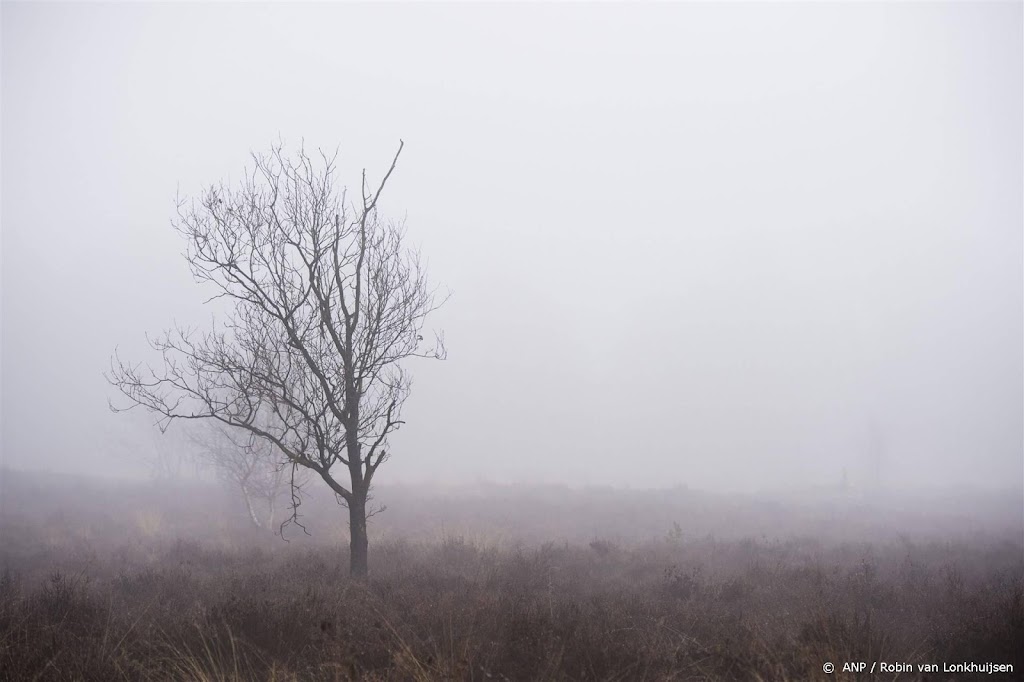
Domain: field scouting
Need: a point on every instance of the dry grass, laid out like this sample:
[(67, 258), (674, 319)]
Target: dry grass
[(81, 602), (698, 611)]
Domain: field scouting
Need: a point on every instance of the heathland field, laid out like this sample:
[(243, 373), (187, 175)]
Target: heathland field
[(138, 581)]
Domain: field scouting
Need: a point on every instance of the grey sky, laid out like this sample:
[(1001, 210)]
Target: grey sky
[(708, 244)]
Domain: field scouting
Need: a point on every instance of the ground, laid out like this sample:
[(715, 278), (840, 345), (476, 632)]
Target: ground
[(172, 586)]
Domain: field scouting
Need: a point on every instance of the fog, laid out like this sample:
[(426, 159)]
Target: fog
[(737, 247)]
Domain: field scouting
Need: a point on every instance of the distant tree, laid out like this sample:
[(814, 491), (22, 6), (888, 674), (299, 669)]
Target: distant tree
[(326, 302), (251, 465)]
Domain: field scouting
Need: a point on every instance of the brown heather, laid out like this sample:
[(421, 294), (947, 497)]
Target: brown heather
[(124, 595)]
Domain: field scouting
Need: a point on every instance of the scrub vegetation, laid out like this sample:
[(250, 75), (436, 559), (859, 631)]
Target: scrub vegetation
[(130, 581)]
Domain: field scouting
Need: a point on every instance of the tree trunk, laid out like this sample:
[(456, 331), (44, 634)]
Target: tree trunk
[(248, 505), (359, 547)]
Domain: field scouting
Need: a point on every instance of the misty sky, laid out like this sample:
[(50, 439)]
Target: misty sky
[(725, 245)]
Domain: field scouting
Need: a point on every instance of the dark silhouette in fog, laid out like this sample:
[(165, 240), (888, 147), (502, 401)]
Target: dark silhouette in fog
[(326, 299)]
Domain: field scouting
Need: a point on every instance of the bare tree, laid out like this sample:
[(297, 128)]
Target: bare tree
[(327, 301), (250, 464)]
